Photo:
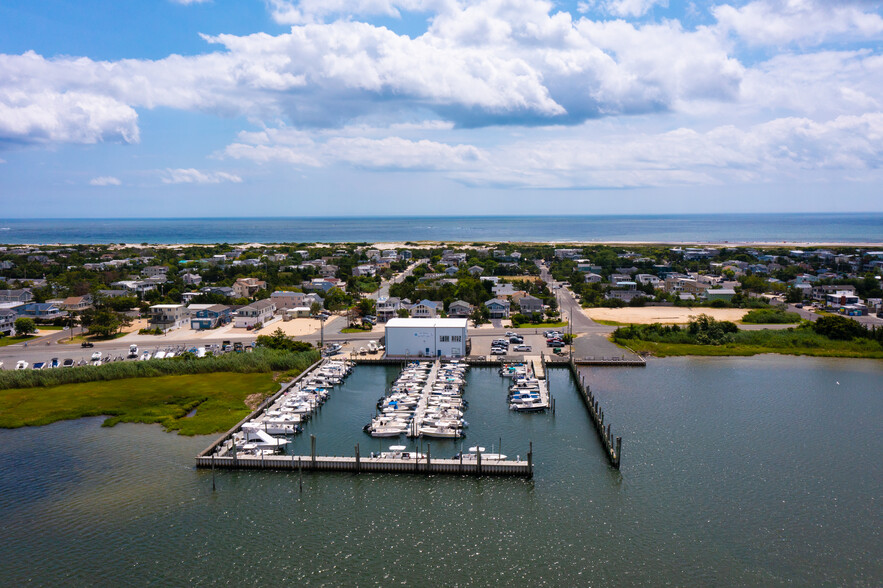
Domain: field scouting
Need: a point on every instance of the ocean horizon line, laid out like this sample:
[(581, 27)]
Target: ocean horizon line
[(448, 216)]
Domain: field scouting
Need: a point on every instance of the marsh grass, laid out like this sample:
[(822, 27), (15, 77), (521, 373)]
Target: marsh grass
[(219, 400), (258, 361)]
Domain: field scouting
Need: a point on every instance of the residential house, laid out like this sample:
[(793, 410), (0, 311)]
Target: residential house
[(328, 271), (820, 293), (192, 279), (476, 270), (285, 300), (167, 316), (503, 289), (719, 294), (593, 278), (153, 271), (460, 309), (256, 312), (616, 279), (77, 303), (368, 270), (22, 295), (113, 293), (498, 308), (645, 279), (387, 308), (208, 316), (567, 253), (530, 304), (425, 309), (135, 286), (312, 298), (7, 321), (248, 287), (451, 271), (44, 311), (226, 291)]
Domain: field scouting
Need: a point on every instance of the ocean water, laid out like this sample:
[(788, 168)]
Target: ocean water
[(828, 228), (760, 471)]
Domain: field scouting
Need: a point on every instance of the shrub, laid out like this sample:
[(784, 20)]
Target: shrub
[(839, 327), (770, 316)]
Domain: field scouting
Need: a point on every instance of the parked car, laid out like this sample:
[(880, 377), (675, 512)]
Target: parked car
[(521, 348), (498, 351)]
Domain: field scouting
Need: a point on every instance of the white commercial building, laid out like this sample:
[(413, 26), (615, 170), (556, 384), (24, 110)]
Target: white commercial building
[(426, 337)]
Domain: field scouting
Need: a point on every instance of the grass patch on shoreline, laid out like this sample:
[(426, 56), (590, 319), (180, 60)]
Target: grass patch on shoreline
[(258, 361), (787, 342), (219, 400)]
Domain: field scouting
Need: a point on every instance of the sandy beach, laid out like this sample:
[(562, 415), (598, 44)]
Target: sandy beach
[(662, 314)]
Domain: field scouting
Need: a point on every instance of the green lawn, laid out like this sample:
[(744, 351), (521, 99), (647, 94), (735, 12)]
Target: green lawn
[(610, 323), (351, 330), (557, 325), (219, 400), (4, 341)]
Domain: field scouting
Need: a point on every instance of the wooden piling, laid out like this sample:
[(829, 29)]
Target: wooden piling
[(358, 460), (313, 449)]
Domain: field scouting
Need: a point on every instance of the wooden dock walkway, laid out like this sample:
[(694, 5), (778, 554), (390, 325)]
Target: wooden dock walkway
[(359, 464)]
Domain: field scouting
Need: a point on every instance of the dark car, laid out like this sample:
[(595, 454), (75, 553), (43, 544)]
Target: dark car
[(87, 344)]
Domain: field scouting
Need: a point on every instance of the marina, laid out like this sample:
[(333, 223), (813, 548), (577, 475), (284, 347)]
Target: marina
[(424, 403)]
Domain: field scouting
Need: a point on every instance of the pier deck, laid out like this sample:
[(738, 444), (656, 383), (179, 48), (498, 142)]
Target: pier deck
[(372, 465)]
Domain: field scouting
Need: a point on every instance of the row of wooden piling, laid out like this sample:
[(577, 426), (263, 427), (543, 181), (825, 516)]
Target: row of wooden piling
[(612, 447), (359, 464)]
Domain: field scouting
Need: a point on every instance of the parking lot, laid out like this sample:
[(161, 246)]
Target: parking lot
[(481, 344)]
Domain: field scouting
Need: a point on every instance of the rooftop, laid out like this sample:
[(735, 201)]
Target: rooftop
[(456, 323)]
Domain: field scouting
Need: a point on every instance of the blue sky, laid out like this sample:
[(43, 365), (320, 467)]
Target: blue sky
[(359, 107)]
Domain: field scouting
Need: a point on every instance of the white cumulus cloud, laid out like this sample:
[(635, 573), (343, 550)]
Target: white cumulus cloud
[(195, 176), (778, 22), (105, 181)]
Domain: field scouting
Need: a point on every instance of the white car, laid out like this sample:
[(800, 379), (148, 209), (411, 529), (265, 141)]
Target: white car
[(521, 348), (96, 356)]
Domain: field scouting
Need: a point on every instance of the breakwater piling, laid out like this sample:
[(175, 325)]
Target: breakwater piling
[(612, 446)]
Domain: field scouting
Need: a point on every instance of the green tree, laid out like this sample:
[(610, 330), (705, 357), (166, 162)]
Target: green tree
[(279, 340), (25, 326)]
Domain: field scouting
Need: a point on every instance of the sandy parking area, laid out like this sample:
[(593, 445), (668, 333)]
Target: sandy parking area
[(662, 314), (298, 327)]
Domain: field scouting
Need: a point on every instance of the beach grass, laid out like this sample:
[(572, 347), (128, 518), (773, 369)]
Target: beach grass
[(761, 342), (218, 399), (259, 361)]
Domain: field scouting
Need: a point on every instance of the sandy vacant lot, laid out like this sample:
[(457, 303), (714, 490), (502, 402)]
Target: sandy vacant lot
[(662, 314), (298, 327)]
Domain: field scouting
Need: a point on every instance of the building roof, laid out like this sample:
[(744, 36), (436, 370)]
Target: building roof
[(428, 323)]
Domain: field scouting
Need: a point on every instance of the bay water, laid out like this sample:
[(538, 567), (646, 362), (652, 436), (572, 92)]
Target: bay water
[(736, 471)]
